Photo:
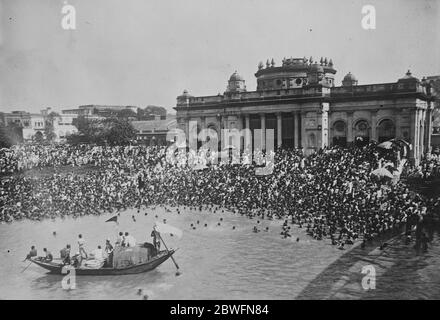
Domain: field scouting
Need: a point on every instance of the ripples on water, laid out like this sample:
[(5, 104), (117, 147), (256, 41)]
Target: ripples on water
[(216, 262)]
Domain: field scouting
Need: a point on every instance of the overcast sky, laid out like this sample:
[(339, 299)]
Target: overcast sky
[(141, 52)]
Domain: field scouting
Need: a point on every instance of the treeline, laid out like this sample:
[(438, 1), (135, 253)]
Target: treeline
[(10, 135), (112, 131)]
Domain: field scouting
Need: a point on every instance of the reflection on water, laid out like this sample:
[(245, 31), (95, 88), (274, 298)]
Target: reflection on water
[(217, 262)]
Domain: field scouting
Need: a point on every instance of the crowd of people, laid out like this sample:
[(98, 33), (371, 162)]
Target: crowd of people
[(429, 168), (20, 158), (330, 193)]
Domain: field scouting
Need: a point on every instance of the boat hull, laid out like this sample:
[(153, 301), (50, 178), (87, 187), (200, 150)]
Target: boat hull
[(57, 268)]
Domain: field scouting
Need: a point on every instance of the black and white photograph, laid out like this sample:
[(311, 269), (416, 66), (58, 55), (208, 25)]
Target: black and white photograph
[(240, 150)]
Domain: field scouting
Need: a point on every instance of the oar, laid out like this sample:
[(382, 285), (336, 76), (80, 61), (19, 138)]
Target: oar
[(172, 258), (26, 266)]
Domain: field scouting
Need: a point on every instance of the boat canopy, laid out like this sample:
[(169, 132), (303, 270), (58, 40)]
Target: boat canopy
[(124, 257)]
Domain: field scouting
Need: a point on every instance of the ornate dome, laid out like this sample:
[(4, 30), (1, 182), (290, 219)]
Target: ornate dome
[(236, 83), (349, 77), (184, 97), (349, 80), (235, 77), (185, 94)]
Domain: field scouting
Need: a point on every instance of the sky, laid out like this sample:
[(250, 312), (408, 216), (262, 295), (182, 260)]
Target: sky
[(146, 52)]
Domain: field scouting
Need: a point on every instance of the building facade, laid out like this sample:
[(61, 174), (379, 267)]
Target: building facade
[(154, 132), (93, 111), (33, 125), (300, 102)]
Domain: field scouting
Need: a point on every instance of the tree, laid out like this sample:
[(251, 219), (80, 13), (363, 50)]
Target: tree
[(49, 127), (10, 135), (113, 130), (4, 137), (121, 131)]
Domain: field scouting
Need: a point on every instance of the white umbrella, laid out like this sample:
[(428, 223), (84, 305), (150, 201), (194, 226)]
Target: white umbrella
[(385, 145), (382, 172)]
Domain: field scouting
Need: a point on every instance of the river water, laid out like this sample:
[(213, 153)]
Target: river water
[(216, 262)]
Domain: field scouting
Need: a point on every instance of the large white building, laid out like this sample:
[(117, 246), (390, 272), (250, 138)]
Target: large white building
[(300, 101)]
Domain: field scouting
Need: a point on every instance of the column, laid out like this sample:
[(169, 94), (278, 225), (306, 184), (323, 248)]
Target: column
[(350, 124), (248, 134), (373, 125), (279, 130), (303, 141), (263, 131), (247, 121), (416, 136), (412, 135), (324, 125), (428, 128), (187, 127), (296, 130), (221, 132), (398, 124), (422, 132)]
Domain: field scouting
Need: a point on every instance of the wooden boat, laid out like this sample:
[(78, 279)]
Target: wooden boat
[(57, 267)]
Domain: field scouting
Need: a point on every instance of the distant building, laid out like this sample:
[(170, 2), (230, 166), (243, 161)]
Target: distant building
[(300, 102), (154, 132), (97, 111), (34, 124)]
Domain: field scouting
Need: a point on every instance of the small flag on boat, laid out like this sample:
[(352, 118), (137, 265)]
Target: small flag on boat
[(114, 219), (166, 228)]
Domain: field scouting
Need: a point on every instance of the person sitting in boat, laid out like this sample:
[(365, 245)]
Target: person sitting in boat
[(109, 253), (32, 253), (49, 256), (98, 254), (130, 241), (65, 254), (121, 240)]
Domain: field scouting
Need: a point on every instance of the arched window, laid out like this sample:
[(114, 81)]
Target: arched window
[(361, 134), (339, 133), (386, 130), (340, 128)]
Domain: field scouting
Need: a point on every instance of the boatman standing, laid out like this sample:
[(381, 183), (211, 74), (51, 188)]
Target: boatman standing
[(156, 238), (81, 247), (109, 253), (65, 254)]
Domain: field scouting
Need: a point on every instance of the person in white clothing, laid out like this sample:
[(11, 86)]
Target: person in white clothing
[(130, 241)]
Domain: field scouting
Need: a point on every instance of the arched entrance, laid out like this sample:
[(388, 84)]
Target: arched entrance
[(386, 130), (339, 131), (361, 133), (38, 137), (211, 138)]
